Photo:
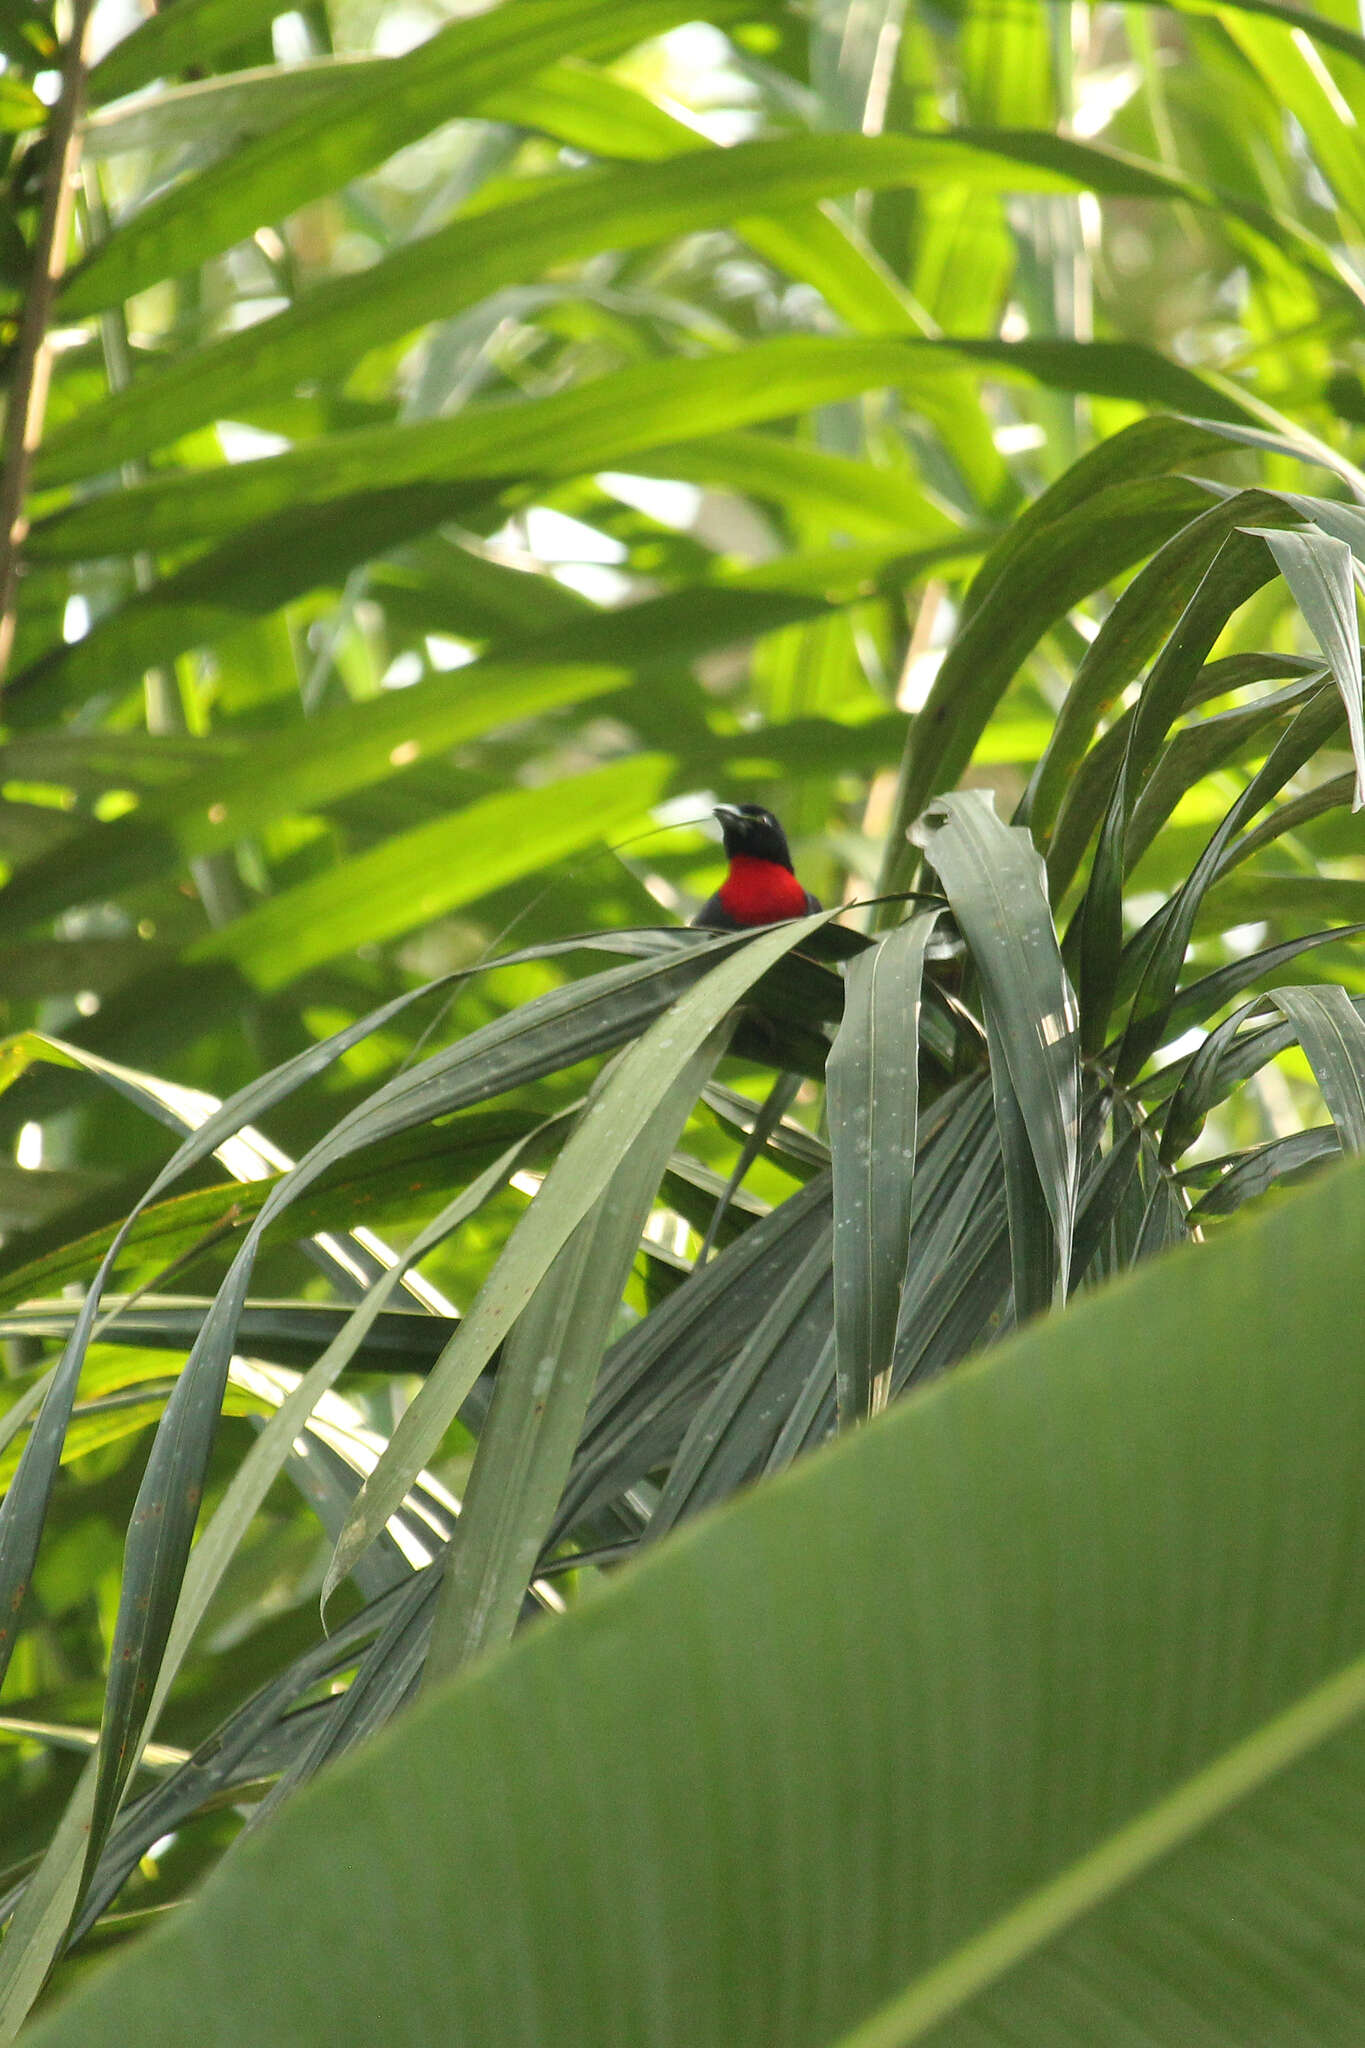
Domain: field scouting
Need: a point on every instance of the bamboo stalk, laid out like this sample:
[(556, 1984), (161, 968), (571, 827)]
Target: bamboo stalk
[(33, 357)]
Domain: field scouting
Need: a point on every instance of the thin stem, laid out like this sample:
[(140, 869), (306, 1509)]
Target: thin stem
[(215, 875), (32, 356)]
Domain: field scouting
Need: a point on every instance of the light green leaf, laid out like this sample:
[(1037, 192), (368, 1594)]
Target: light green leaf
[(413, 877), (191, 33), (20, 106), (266, 179), (1321, 27), (239, 791), (223, 110), (588, 427), (438, 275), (1301, 83)]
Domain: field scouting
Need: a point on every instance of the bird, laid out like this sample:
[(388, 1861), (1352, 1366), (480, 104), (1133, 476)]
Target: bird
[(760, 887)]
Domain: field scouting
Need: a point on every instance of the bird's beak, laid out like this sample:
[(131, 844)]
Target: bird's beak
[(724, 812)]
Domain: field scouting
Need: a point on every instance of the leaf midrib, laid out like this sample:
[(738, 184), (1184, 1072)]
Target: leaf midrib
[(1171, 1821)]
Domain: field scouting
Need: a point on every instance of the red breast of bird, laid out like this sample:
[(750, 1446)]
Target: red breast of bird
[(760, 887)]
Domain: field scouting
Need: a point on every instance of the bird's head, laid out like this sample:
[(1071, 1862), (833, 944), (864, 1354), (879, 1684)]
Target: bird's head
[(750, 831)]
